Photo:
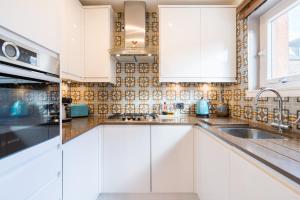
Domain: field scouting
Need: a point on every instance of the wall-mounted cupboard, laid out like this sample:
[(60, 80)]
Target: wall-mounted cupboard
[(87, 38), (197, 43)]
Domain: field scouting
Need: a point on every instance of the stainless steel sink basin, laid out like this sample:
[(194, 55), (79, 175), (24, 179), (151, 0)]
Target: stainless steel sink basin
[(251, 133)]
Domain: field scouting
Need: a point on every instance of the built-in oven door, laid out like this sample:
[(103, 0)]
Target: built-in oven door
[(29, 109)]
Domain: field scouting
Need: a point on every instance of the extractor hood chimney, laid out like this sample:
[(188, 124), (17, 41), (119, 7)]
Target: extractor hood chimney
[(134, 49)]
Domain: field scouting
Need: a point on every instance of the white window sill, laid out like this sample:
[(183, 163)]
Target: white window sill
[(293, 92)]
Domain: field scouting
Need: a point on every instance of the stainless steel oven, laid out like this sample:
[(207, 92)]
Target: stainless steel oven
[(29, 94)]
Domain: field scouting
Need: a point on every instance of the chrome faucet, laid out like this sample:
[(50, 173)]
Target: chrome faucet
[(280, 124)]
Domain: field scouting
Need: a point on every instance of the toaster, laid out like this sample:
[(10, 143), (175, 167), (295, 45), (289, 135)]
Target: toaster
[(79, 110)]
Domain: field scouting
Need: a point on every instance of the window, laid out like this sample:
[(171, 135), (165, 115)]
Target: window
[(280, 46)]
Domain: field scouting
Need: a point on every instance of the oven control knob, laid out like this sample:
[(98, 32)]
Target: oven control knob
[(10, 50)]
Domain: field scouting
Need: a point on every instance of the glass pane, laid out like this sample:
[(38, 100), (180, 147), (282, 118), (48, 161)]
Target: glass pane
[(29, 113), (285, 52)]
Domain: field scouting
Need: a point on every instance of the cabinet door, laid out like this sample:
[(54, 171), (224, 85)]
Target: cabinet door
[(180, 33), (36, 20), (172, 161), (80, 167), (218, 40), (72, 58), (30, 171), (126, 159), (51, 191), (99, 65), (249, 182), (213, 168)]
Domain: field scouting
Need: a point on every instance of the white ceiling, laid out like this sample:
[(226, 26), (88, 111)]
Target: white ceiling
[(152, 4)]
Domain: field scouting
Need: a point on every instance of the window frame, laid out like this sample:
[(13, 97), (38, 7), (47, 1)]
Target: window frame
[(283, 83)]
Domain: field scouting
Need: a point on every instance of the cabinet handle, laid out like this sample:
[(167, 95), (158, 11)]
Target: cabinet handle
[(58, 146)]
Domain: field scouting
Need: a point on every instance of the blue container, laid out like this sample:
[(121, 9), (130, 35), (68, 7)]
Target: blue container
[(79, 110), (202, 108)]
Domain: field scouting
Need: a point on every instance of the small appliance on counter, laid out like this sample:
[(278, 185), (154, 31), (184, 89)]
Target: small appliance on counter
[(79, 110), (222, 109), (66, 111), (202, 108)]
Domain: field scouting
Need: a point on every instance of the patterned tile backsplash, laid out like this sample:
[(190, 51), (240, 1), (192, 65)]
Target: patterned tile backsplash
[(138, 88)]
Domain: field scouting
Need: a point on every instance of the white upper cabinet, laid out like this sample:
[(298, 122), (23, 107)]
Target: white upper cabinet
[(218, 41), (180, 48), (39, 21), (99, 65), (72, 56), (172, 162), (197, 43)]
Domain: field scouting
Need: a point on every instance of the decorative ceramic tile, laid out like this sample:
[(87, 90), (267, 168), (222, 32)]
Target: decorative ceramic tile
[(130, 95), (130, 108), (144, 95), (154, 26), (116, 108), (184, 95), (155, 68), (118, 82), (198, 94), (171, 94), (143, 108), (157, 95), (155, 82), (129, 81), (143, 68), (89, 95), (156, 108), (237, 94), (102, 109), (212, 95), (286, 114), (129, 68), (262, 114), (91, 108), (228, 95), (284, 99), (237, 110), (144, 81), (116, 95), (118, 68), (248, 112), (103, 95)]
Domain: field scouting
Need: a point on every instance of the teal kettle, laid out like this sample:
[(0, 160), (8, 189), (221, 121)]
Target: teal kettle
[(202, 108)]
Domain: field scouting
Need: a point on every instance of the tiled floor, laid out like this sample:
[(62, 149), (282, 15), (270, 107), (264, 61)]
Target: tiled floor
[(148, 197)]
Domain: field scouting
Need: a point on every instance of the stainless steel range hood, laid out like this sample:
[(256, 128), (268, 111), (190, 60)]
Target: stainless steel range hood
[(134, 49)]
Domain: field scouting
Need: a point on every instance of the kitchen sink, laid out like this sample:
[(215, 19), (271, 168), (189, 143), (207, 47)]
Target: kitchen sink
[(251, 133)]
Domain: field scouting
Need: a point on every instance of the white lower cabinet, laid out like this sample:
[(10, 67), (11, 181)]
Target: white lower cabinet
[(81, 167), (172, 161), (126, 158), (32, 174), (213, 168), (226, 173), (248, 182)]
